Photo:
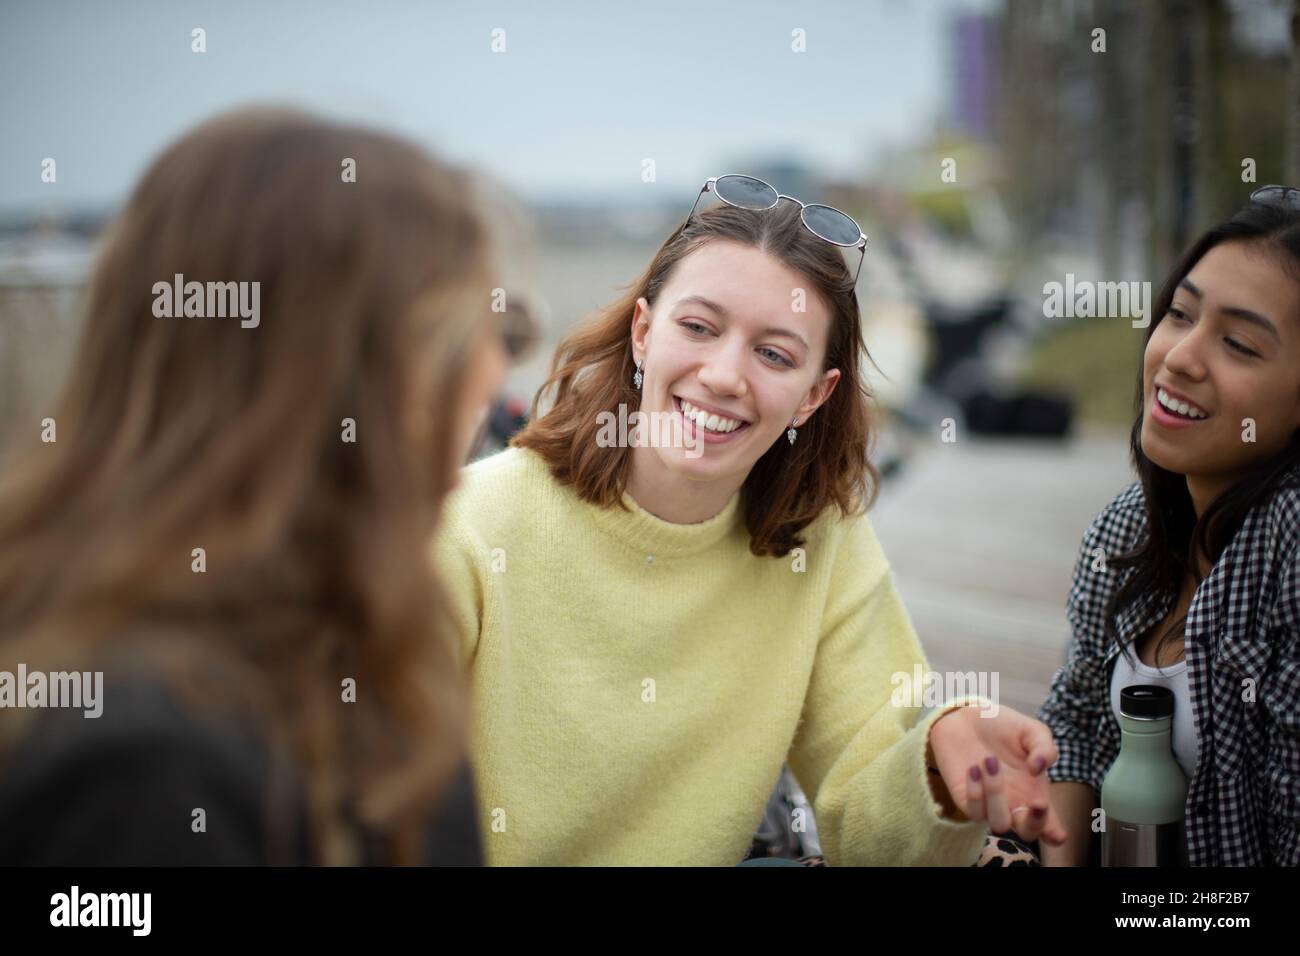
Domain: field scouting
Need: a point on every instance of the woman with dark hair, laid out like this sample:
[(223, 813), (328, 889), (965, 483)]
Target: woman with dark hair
[(656, 620), (1190, 578), (231, 521)]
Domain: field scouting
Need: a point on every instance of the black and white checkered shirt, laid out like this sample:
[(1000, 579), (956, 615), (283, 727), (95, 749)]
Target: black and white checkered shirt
[(1243, 660)]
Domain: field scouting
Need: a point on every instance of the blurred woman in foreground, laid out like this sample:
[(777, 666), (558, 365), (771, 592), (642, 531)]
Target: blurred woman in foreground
[(231, 520)]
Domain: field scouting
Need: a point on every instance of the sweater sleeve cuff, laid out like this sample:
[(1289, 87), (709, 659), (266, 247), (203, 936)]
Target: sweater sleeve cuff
[(952, 842)]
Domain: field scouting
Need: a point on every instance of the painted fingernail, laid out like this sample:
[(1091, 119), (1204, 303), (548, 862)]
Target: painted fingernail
[(1039, 812), (991, 765), (975, 773), (1039, 764)]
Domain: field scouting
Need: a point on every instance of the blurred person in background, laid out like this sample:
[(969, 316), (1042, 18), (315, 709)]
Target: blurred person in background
[(289, 681), (1200, 586)]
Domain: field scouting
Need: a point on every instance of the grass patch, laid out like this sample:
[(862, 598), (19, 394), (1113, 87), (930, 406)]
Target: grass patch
[(1096, 361)]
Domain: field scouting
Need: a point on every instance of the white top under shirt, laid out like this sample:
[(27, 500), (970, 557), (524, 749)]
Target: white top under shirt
[(1185, 743)]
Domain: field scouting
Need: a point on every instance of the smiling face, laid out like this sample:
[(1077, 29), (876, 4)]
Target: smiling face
[(1228, 350), (726, 338)]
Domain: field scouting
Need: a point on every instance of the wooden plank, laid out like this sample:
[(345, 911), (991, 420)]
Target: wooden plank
[(983, 536)]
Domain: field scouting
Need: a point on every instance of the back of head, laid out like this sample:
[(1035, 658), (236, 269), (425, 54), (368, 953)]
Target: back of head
[(252, 445)]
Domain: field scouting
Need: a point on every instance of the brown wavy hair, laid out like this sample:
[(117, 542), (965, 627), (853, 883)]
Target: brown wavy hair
[(179, 433), (789, 486)]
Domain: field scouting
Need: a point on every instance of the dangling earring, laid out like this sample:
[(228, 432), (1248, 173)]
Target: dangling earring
[(792, 433), (636, 379)]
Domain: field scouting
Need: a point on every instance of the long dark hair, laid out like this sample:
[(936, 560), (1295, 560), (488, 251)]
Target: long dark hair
[(1174, 535)]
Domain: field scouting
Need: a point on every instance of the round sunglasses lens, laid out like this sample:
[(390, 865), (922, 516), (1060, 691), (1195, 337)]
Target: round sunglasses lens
[(1279, 195), (745, 191), (831, 225)]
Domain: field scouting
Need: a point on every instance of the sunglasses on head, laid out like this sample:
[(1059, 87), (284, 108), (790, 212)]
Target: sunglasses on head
[(824, 222), (1288, 196)]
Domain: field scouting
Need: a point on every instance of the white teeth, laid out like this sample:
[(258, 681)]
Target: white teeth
[(713, 422), (1174, 405)]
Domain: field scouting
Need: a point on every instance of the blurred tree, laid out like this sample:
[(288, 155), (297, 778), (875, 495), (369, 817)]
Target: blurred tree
[(1127, 153), (1210, 37), (1291, 164)]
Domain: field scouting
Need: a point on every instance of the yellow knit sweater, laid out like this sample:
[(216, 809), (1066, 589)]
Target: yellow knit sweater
[(637, 684)]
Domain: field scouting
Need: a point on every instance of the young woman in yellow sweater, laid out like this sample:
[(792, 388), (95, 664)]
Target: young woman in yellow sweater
[(655, 620)]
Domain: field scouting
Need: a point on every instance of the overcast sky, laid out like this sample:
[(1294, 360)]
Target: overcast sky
[(584, 91)]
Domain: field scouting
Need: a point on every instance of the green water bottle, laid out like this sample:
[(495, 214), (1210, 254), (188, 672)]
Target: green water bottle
[(1145, 791)]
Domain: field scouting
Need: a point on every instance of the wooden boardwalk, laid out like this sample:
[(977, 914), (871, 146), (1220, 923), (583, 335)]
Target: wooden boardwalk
[(983, 537)]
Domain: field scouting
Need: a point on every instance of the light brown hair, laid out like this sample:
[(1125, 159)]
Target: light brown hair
[(789, 486), (180, 433)]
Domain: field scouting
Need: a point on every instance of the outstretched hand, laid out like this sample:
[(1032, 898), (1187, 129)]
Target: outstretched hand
[(995, 769)]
